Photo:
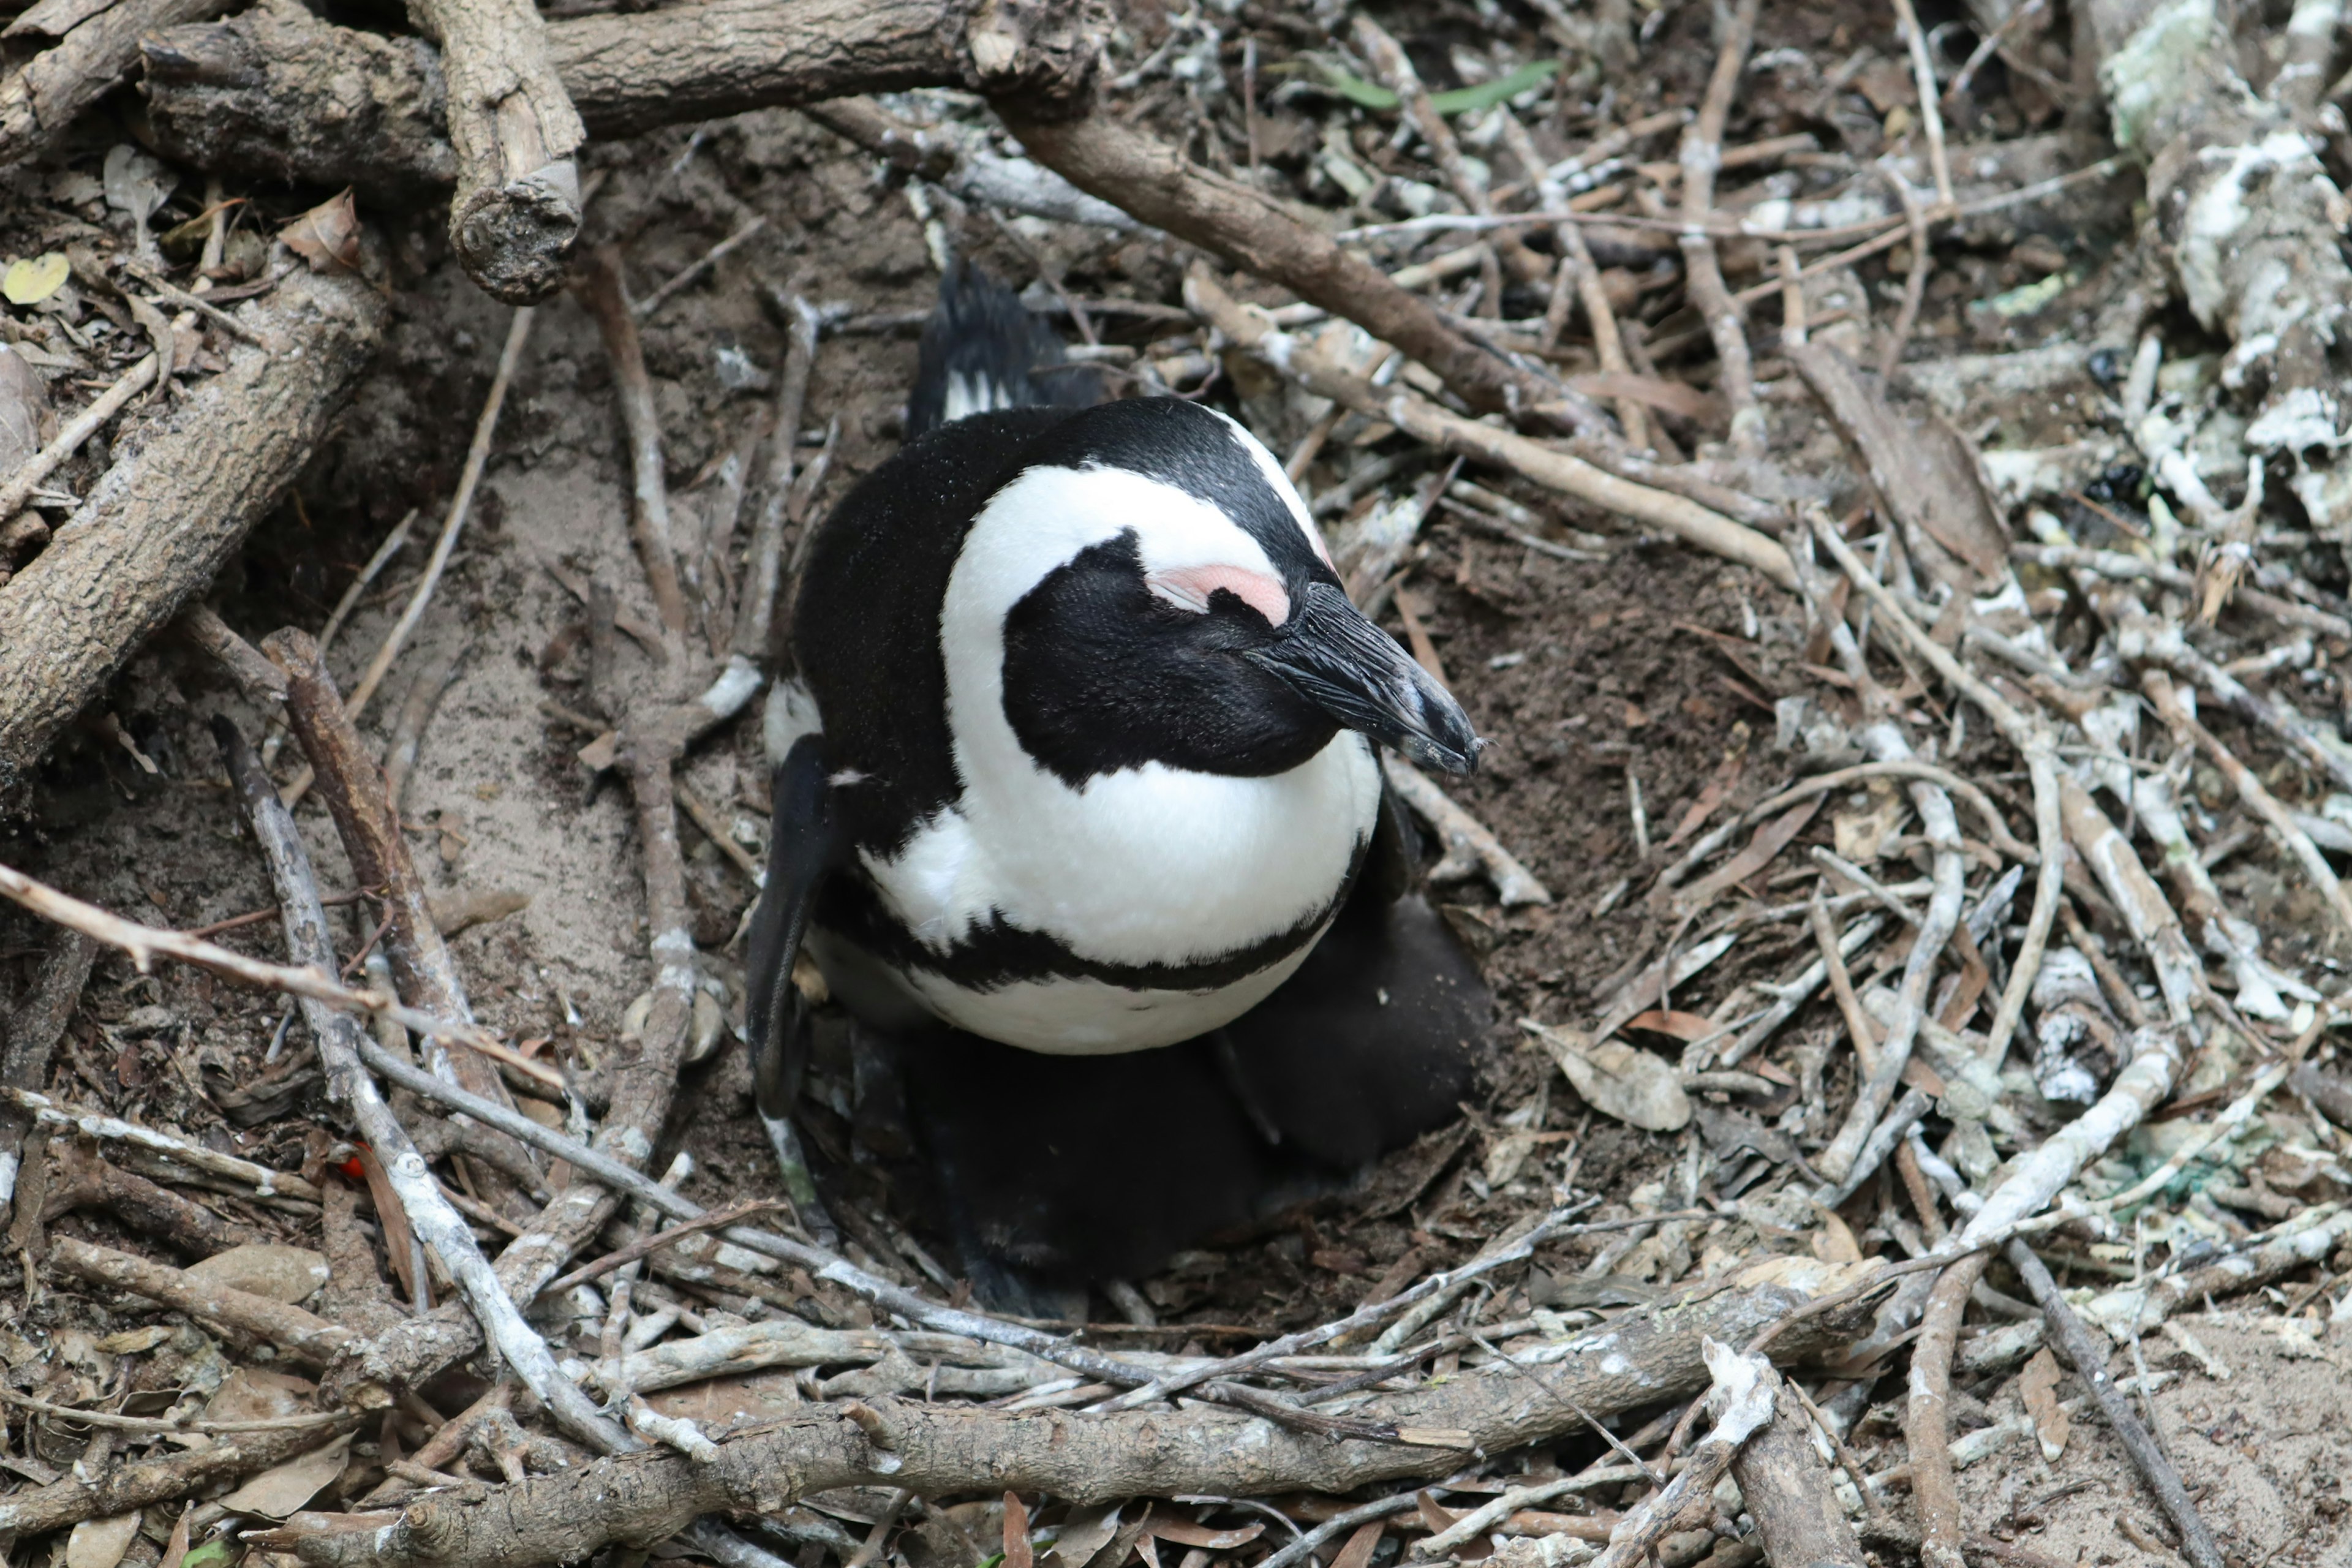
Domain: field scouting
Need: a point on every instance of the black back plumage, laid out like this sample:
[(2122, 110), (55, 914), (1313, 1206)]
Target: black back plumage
[(984, 343)]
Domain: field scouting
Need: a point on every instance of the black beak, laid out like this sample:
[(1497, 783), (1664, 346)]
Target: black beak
[(1332, 654)]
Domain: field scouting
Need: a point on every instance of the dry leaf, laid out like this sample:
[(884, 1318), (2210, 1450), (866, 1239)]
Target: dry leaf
[(256, 1394), (1861, 835), (1358, 1552), (100, 1543), (1504, 1155), (1620, 1081), (1681, 1026), (2037, 1385), (1834, 1243), (131, 1341), (281, 1490), (30, 281), (1185, 1533), (1086, 1533), (460, 910), (1769, 840), (288, 1274), (328, 236), (136, 183), (1018, 1553)]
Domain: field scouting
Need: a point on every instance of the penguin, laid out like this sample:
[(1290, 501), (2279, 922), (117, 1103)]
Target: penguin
[(1078, 813)]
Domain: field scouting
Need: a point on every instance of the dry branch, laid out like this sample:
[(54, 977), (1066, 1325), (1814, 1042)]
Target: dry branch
[(125, 1488), (1640, 1359), (1423, 420), (306, 1334), (359, 799), (276, 92), (95, 49), (172, 510), (516, 213)]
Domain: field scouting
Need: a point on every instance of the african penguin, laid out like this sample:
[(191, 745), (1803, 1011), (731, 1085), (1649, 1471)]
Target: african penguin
[(1077, 812)]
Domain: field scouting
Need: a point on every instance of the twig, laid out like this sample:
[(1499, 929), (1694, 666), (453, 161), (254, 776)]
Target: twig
[(646, 1245), (1915, 280), (20, 485), (2251, 789), (359, 797), (416, 712), (304, 1334), (476, 454), (602, 291), (1997, 833), (2089, 1358), (1426, 422), (359, 584), (1841, 1162), (686, 275), (1926, 1430), (156, 1425), (32, 1035), (2029, 739), (1702, 153), (1464, 835), (1788, 1486), (142, 1483), (265, 1182), (340, 1038), (1577, 279), (1931, 113), (755, 608), (1744, 1384)]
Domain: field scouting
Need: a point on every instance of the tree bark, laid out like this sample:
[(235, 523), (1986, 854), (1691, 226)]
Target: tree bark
[(173, 507)]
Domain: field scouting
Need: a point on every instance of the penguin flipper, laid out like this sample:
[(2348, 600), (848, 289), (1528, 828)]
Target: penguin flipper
[(801, 848)]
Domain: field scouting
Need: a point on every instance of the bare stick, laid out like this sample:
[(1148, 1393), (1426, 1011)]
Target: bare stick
[(517, 210), (2031, 741), (1788, 1486), (2251, 790), (1931, 112), (476, 454), (87, 422), (391, 546), (359, 797), (1464, 835), (601, 292), (407, 736), (265, 1182), (1100, 155), (1746, 1396), (695, 268), (646, 1245), (1841, 1161), (2089, 1358), (1426, 422), (263, 683), (755, 608), (1925, 1429), (305, 1334), (32, 1035), (1579, 279), (1702, 153), (142, 1483), (1914, 281), (934, 1449), (339, 1037)]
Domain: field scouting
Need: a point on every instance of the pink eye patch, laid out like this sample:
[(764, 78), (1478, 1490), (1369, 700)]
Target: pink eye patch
[(1189, 587)]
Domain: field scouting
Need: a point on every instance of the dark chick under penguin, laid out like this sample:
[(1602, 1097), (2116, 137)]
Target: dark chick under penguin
[(1079, 817)]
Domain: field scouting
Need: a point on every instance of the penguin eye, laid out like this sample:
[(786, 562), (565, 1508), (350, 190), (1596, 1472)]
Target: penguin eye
[(1190, 587)]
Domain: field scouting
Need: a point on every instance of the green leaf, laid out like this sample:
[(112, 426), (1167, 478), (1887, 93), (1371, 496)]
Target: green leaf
[(1486, 94), (209, 1554)]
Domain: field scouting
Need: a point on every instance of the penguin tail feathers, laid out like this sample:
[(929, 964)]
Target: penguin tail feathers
[(983, 350)]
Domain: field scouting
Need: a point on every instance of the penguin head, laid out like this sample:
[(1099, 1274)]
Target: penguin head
[(1159, 593)]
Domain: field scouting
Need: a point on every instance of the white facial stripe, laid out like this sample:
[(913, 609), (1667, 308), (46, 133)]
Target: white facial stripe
[(1272, 469), (1189, 588)]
